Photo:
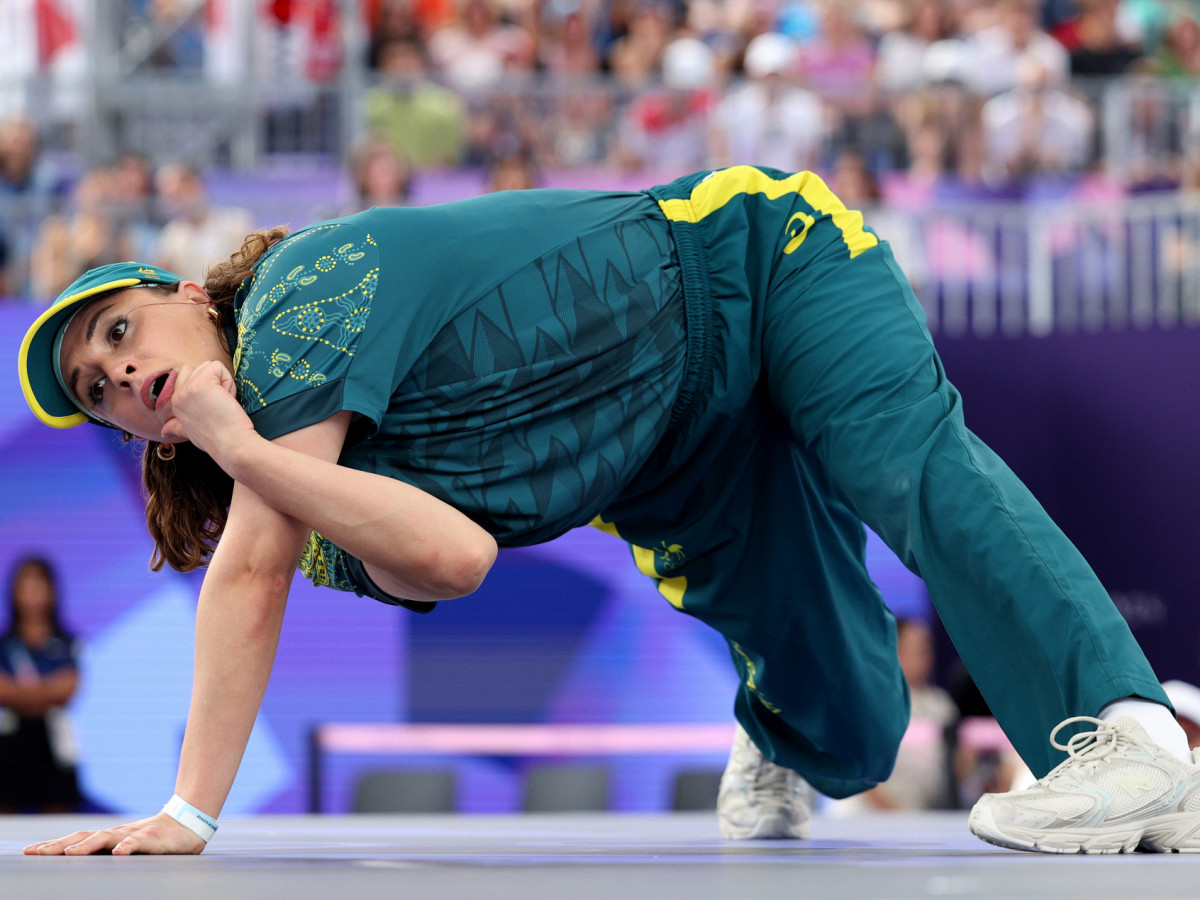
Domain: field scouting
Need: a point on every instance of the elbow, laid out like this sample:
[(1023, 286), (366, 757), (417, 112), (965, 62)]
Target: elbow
[(476, 566), (448, 573), (464, 573)]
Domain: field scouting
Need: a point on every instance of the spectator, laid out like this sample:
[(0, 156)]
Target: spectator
[(135, 203), (1179, 56), (566, 49), (479, 50), (635, 56), (839, 63), (381, 177), (389, 20), (515, 172), (900, 62), (667, 127), (29, 191), (1150, 146), (769, 120), (197, 233), (1036, 128), (839, 66), (24, 172), (922, 776), (38, 676), (421, 120), (90, 234), (1102, 49), (1000, 53)]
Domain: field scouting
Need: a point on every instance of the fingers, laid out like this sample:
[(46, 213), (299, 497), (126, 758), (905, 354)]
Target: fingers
[(80, 843), (51, 848), (158, 834), (173, 430)]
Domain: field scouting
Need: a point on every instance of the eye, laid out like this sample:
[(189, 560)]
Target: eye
[(95, 394), (117, 331)]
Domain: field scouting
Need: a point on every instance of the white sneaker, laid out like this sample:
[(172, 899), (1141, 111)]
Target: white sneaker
[(758, 799), (1116, 792)]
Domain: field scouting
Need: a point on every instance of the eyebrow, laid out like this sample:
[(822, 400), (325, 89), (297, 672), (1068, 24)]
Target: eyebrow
[(87, 339), (91, 329)]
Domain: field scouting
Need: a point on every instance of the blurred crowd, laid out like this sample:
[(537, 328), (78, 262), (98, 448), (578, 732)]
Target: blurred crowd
[(983, 92), (900, 103)]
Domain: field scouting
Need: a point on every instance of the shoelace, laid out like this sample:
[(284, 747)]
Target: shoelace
[(1088, 750)]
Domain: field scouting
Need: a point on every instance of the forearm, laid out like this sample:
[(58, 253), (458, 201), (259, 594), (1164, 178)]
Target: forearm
[(13, 694), (440, 552), (237, 633), (38, 697)]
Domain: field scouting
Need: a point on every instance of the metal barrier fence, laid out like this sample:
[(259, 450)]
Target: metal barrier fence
[(1017, 270)]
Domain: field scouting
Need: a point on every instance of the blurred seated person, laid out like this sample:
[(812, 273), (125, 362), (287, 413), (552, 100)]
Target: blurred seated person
[(514, 172), (769, 119), (481, 49), (419, 118), (922, 777), (839, 63), (1038, 128), (89, 234), (38, 677), (566, 49), (1000, 52), (197, 234), (24, 172), (900, 58), (381, 176), (667, 128), (136, 203), (1186, 700), (636, 55)]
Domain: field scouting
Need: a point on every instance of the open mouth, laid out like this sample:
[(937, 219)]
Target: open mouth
[(156, 387)]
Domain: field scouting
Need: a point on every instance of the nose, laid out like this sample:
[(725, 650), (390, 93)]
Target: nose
[(120, 374)]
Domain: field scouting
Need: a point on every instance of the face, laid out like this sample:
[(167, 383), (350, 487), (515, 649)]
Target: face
[(33, 594), (122, 352), (914, 648)]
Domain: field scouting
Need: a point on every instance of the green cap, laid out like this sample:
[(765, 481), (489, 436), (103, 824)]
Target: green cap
[(38, 363)]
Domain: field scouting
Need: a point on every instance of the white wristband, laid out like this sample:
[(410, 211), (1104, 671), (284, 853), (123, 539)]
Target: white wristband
[(204, 826)]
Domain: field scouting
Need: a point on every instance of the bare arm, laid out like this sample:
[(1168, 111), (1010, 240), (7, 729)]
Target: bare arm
[(414, 545), (238, 619)]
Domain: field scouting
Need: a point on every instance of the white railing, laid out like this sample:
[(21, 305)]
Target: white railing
[(1033, 269)]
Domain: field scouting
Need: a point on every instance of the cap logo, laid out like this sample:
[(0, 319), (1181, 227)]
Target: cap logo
[(149, 272)]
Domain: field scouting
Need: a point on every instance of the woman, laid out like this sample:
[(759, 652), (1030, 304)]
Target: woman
[(728, 372), (38, 677)]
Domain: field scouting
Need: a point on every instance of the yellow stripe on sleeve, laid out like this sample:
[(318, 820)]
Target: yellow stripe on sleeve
[(715, 191)]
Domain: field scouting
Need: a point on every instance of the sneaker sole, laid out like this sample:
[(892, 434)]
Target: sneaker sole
[(1172, 833), (768, 828)]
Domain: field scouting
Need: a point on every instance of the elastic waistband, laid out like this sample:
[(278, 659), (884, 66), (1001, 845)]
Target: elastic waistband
[(697, 304)]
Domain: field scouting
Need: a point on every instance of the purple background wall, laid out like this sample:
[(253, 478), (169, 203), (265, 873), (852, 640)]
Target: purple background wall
[(1105, 429)]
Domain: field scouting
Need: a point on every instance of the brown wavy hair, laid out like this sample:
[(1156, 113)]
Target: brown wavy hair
[(187, 497)]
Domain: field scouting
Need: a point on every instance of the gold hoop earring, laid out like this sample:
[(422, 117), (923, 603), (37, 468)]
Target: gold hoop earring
[(165, 452), (215, 313)]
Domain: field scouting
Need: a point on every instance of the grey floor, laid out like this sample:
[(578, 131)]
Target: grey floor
[(584, 856)]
